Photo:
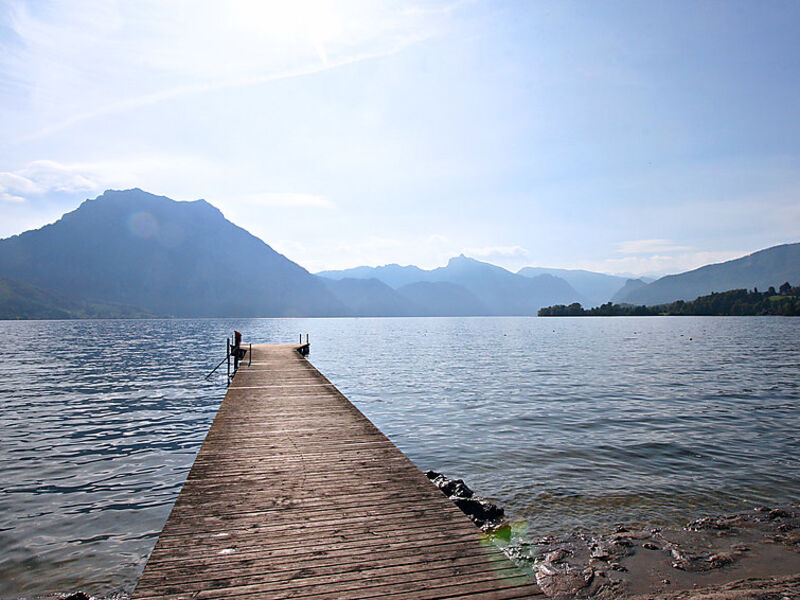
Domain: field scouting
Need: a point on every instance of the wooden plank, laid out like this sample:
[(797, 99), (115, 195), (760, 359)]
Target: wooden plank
[(296, 494)]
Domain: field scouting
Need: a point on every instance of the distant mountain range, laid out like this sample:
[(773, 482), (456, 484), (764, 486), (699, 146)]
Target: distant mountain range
[(597, 288), (464, 286), (133, 254), (771, 267)]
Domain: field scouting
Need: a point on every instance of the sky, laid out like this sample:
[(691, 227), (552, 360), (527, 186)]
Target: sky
[(641, 138)]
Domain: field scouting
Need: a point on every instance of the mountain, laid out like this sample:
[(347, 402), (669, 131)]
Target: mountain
[(373, 298), (442, 299), (133, 254), (20, 300), (482, 288), (370, 298), (762, 269), (168, 258), (631, 285), (597, 288), (503, 292), (392, 275)]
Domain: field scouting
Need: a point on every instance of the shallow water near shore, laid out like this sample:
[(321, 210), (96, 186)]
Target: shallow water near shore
[(568, 422)]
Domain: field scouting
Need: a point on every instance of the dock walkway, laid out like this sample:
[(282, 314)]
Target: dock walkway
[(296, 494)]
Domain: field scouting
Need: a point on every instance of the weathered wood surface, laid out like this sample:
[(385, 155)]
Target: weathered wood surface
[(295, 494)]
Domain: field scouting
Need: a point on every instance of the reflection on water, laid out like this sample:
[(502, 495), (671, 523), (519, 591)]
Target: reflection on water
[(568, 423)]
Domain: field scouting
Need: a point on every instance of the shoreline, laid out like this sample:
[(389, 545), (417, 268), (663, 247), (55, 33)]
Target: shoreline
[(747, 554)]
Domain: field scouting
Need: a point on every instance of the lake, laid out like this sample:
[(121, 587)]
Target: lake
[(566, 422)]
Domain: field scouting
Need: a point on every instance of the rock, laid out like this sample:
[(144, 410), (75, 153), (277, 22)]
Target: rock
[(778, 513), (682, 561), (600, 552), (450, 487), (649, 546), (707, 523), (720, 559), (564, 584), (555, 556), (457, 487), (793, 537), (543, 541), (479, 510), (482, 512)]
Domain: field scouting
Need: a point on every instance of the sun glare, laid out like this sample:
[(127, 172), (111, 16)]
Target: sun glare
[(309, 22)]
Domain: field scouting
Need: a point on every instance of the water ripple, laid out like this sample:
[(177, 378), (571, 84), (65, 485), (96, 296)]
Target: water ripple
[(566, 422)]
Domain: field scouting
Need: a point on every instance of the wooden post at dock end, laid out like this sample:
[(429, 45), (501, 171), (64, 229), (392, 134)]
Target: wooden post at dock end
[(228, 357)]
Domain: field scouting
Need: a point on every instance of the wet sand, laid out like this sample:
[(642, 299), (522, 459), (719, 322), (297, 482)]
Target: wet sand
[(751, 554)]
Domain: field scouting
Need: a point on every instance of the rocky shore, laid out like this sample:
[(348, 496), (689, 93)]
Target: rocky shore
[(750, 554)]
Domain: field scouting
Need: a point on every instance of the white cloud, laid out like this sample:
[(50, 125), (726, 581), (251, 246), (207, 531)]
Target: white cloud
[(11, 198), (178, 176), (41, 177), (18, 183)]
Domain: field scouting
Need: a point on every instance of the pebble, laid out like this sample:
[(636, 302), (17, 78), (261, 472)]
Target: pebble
[(649, 546)]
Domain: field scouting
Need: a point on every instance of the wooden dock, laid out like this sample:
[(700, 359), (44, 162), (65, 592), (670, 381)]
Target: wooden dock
[(296, 494)]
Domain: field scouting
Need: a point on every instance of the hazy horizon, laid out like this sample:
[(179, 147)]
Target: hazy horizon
[(617, 137)]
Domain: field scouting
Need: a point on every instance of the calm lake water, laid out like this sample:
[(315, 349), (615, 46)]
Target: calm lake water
[(567, 422)]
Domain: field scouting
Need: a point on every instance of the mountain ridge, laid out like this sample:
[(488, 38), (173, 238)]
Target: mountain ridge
[(170, 258), (129, 252), (760, 269), (497, 290)]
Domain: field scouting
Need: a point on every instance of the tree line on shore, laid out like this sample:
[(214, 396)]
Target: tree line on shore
[(784, 302)]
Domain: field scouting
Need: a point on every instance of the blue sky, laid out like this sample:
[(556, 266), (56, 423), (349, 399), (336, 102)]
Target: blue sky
[(624, 137)]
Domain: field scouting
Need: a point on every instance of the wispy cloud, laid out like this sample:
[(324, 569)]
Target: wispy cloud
[(199, 88), (153, 172), (165, 51), (41, 177)]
